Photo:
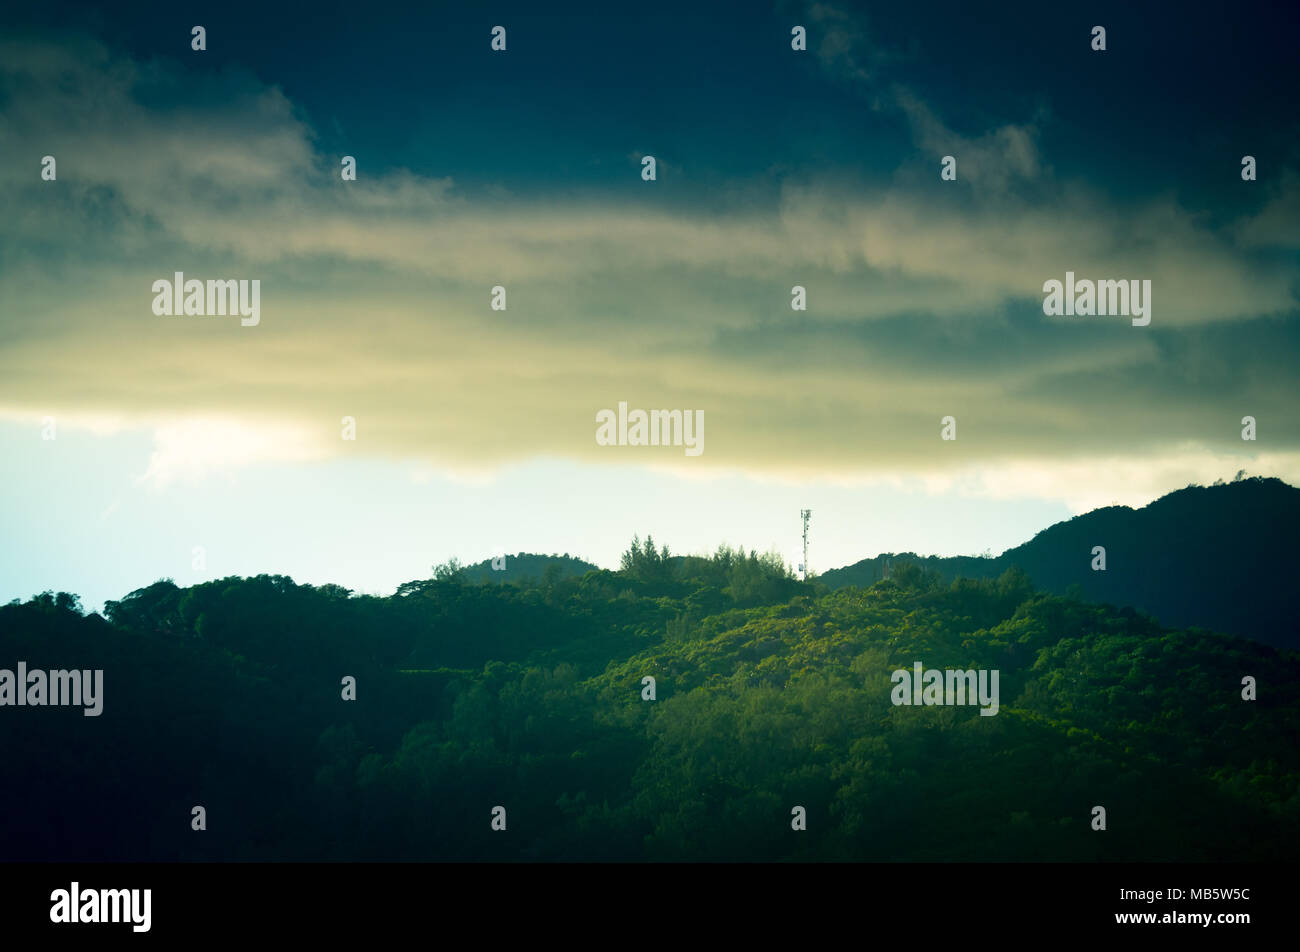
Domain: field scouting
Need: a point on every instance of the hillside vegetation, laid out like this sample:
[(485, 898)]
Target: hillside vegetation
[(770, 694), (1219, 556)]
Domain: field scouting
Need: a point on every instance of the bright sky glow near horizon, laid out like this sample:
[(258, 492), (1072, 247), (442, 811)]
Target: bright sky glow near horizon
[(475, 428), (373, 525)]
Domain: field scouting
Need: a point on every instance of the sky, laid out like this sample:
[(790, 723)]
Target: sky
[(475, 429)]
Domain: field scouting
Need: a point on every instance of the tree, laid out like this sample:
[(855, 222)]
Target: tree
[(644, 562), (451, 569)]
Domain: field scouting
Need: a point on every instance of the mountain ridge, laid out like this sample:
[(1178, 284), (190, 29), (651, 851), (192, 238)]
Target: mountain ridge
[(1200, 557), (1203, 556)]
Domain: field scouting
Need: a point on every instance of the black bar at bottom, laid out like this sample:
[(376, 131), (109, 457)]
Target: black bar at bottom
[(656, 903)]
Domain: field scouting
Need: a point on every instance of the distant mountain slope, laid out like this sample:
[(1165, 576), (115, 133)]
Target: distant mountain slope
[(1221, 557), (526, 566), (320, 724)]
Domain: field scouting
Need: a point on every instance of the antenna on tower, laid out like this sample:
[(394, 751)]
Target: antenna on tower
[(804, 514)]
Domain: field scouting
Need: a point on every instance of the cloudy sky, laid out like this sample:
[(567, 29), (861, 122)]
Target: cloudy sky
[(475, 428)]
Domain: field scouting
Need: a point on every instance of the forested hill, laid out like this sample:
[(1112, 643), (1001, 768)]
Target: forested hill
[(522, 567), (769, 695), (1219, 557)]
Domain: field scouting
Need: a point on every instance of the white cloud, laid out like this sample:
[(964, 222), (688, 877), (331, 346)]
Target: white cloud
[(195, 448)]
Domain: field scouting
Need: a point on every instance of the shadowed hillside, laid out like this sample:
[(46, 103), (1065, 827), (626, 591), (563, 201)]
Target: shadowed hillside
[(1219, 557), (769, 695)]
